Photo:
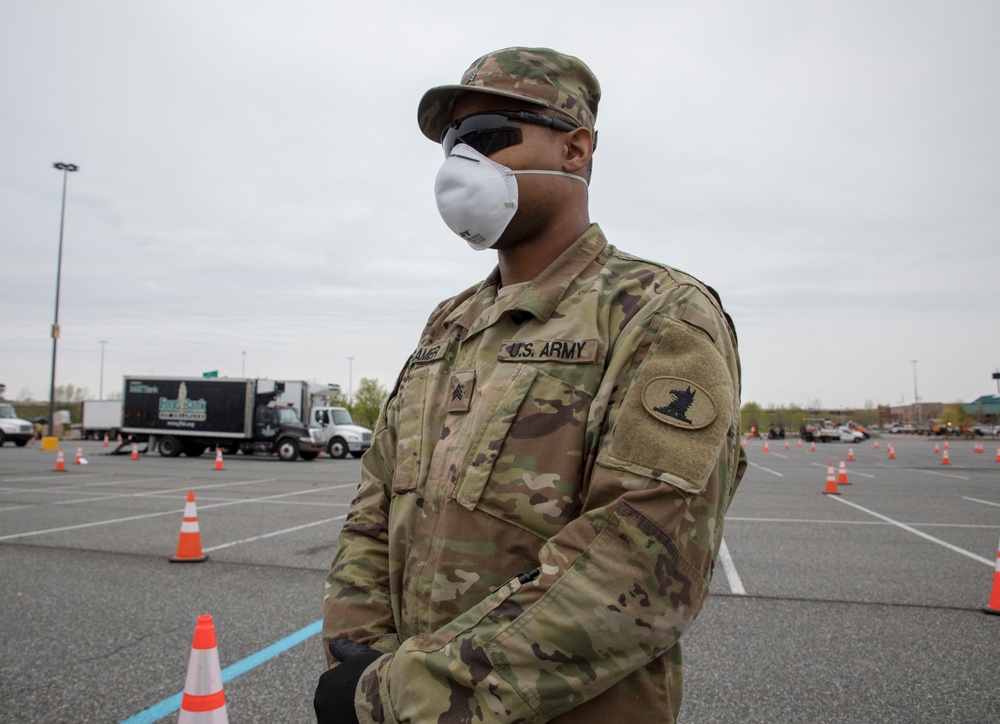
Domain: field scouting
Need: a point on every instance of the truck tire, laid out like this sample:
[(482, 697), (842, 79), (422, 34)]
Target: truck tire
[(3, 439), (20, 443), (230, 448), (358, 454), (337, 448), (170, 446), (287, 449), (194, 449), (309, 455)]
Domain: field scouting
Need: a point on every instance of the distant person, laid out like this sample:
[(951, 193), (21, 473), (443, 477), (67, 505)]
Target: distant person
[(543, 500)]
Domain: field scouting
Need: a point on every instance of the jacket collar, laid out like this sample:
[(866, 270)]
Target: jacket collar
[(540, 297)]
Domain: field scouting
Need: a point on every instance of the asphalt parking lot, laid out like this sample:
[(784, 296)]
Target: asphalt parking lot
[(865, 606)]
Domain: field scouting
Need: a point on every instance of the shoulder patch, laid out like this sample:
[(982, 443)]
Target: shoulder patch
[(679, 402)]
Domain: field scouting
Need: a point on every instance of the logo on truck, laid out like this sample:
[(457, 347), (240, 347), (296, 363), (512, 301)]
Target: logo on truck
[(182, 409)]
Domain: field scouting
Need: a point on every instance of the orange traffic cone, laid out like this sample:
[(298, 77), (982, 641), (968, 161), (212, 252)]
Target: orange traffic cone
[(767, 448), (842, 474), (744, 444), (937, 449), (135, 451), (60, 463), (831, 482), (189, 544), (979, 447), (787, 445), (946, 446), (876, 444), (105, 439), (218, 459), (994, 605), (945, 460), (79, 455), (998, 454), (812, 448), (32, 442), (892, 452), (800, 442), (850, 454), (204, 701)]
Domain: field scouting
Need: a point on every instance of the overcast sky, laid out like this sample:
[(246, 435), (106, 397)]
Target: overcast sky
[(253, 180)]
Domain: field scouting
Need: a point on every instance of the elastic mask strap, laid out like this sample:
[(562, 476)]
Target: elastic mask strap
[(554, 173)]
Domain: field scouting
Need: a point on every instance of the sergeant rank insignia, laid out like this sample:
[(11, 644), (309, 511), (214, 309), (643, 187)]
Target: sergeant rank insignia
[(460, 390), (678, 402)]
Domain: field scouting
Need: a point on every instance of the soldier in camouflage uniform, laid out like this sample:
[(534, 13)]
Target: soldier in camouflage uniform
[(541, 508)]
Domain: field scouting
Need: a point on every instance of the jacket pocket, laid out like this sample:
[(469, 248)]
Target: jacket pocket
[(527, 463)]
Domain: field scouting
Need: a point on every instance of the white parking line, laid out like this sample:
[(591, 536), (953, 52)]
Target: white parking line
[(76, 476), (766, 470), (145, 494), (816, 521), (943, 475), (907, 528), (852, 472), (735, 584), (984, 502), (169, 512), (271, 535)]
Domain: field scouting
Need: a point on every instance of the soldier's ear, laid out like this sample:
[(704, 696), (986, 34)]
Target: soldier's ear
[(578, 147)]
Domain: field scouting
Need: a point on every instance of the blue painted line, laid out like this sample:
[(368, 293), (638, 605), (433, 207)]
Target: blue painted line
[(173, 703)]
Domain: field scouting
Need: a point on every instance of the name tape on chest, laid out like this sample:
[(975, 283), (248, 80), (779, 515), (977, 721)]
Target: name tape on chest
[(549, 350), (431, 353)]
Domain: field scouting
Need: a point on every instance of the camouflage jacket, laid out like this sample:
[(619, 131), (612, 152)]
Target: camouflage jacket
[(540, 511)]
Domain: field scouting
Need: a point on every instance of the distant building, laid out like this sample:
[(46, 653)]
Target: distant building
[(983, 407)]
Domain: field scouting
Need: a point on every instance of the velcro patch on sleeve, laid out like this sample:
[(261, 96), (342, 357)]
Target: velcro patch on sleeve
[(678, 402), (677, 412)]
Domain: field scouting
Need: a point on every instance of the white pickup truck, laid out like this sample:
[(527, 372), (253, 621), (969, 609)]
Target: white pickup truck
[(826, 433), (340, 433)]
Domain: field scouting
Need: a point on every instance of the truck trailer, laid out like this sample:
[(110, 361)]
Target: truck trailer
[(100, 418), (189, 415)]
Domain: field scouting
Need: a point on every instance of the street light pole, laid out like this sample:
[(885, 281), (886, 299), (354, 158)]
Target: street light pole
[(350, 379), (102, 342), (66, 168), (916, 398)]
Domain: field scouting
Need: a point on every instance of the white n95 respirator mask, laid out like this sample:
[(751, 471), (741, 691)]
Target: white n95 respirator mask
[(477, 197)]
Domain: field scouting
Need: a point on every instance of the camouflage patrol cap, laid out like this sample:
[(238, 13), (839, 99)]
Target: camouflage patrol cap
[(536, 75)]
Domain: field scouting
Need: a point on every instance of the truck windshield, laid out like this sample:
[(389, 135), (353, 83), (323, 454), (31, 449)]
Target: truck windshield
[(7, 412), (288, 416), (341, 417)]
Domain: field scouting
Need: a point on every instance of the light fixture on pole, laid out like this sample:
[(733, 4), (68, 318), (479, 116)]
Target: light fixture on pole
[(916, 397), (66, 168), (102, 342)]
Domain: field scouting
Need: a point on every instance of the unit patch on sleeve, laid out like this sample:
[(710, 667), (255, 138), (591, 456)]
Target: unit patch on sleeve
[(677, 411), (679, 402), (548, 350)]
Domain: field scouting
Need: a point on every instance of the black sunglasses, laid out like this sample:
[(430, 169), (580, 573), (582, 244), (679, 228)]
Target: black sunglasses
[(490, 131)]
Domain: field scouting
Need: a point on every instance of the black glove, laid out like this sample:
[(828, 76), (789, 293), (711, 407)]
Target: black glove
[(334, 699)]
